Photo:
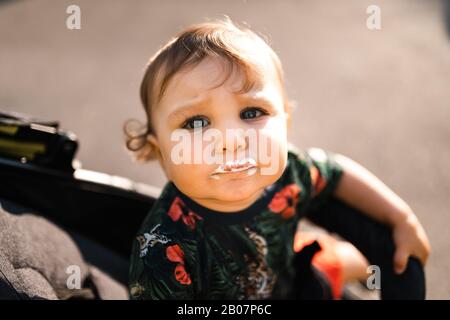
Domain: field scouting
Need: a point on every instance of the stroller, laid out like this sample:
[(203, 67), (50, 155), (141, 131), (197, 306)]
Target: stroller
[(58, 215)]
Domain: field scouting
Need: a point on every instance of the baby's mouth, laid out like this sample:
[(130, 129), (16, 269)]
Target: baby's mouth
[(234, 166)]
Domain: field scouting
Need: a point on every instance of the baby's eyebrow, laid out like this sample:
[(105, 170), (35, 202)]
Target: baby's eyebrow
[(196, 104), (185, 106), (258, 97)]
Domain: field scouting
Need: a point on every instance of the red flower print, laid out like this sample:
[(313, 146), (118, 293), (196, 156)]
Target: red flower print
[(181, 275), (285, 201), (179, 210), (278, 203), (317, 180), (175, 254), (175, 210)]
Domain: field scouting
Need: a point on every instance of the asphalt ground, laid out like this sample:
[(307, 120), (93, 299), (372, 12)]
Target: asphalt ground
[(380, 97)]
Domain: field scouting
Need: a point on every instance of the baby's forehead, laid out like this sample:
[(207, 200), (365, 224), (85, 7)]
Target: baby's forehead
[(213, 72), (193, 89)]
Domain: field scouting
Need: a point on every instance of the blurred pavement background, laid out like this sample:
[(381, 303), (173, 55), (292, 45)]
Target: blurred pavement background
[(379, 97)]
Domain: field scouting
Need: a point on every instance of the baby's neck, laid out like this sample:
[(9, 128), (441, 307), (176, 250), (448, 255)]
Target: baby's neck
[(228, 206)]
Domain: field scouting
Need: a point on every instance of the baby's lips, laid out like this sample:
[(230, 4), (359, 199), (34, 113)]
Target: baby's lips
[(235, 166)]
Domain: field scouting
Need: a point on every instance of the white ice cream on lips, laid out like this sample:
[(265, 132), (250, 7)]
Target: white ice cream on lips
[(235, 166)]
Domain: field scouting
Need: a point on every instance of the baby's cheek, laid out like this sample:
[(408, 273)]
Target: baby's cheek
[(188, 173), (272, 153)]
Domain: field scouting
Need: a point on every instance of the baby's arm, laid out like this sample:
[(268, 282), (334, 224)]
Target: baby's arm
[(362, 190)]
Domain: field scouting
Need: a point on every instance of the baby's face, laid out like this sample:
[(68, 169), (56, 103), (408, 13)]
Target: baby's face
[(250, 127)]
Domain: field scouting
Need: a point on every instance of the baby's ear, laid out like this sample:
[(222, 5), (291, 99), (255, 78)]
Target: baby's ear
[(138, 143), (153, 144), (287, 116), (151, 138), (289, 107)]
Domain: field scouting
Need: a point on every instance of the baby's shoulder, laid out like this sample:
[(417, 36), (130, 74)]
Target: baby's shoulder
[(306, 158), (302, 154), (298, 158), (160, 206)]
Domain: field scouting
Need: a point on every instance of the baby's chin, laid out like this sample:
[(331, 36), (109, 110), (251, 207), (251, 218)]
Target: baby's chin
[(238, 194), (237, 190), (230, 189)]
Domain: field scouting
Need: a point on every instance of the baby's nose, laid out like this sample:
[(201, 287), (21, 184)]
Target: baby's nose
[(230, 141)]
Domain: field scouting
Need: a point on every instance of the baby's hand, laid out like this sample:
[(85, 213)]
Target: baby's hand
[(410, 240)]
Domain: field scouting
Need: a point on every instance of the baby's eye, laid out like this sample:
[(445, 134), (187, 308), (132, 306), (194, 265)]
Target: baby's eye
[(196, 122), (252, 113)]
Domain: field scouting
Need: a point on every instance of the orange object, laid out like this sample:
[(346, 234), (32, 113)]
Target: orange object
[(326, 260)]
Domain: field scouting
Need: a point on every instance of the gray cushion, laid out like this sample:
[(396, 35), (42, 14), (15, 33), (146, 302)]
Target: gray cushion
[(34, 258)]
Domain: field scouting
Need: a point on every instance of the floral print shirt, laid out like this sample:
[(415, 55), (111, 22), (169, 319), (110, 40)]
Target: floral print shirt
[(186, 251)]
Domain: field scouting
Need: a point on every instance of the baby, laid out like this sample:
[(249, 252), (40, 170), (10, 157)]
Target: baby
[(225, 224)]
